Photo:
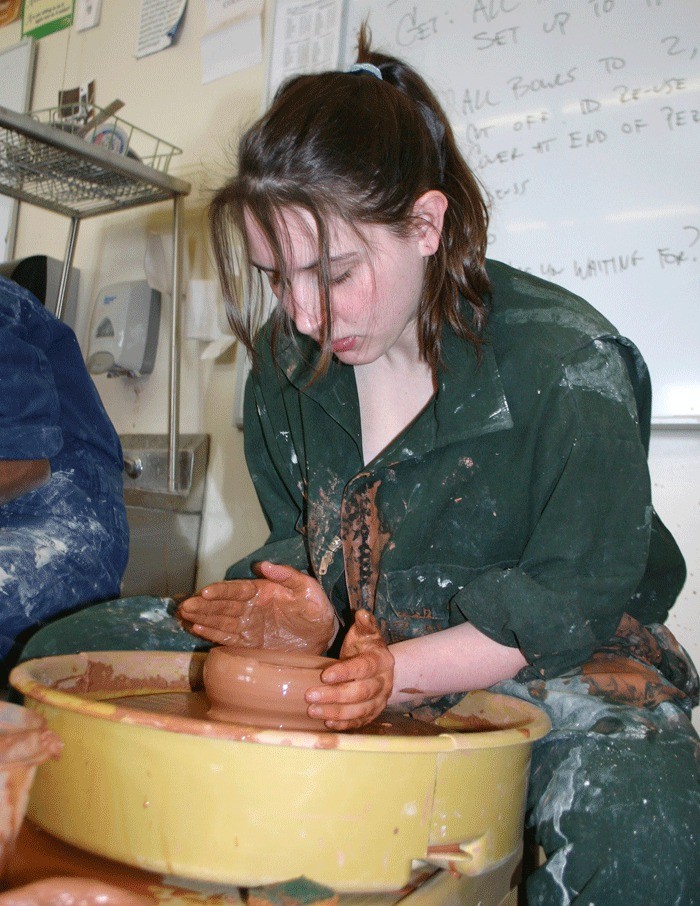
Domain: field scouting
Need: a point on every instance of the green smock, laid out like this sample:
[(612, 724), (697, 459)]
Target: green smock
[(519, 499)]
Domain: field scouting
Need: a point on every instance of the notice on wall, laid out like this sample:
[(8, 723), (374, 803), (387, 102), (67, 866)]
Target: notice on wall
[(234, 37), (43, 17), (307, 37), (159, 25)]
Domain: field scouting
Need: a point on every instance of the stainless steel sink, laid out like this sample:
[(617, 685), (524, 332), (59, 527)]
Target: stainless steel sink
[(164, 525), (146, 471)]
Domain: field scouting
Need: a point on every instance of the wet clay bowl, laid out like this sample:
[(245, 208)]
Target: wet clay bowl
[(262, 688)]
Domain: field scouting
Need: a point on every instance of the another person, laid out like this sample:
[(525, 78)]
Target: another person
[(451, 455), (63, 531)]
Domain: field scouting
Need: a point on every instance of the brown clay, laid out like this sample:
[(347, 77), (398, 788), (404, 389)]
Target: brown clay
[(25, 742), (60, 891), (262, 688), (195, 706)]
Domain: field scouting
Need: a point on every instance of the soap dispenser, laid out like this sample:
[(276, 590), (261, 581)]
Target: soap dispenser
[(124, 330)]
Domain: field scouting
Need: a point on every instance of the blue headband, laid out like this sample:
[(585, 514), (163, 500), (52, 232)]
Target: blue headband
[(366, 67)]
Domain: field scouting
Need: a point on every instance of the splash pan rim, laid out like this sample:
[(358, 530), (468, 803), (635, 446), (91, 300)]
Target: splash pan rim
[(92, 683)]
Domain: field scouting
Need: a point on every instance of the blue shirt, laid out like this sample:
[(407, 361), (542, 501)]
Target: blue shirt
[(64, 544), (49, 407)]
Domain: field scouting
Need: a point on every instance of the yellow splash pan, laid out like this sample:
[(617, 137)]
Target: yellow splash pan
[(193, 798)]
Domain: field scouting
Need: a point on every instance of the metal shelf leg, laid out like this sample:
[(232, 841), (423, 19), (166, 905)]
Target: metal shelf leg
[(67, 265), (174, 410)]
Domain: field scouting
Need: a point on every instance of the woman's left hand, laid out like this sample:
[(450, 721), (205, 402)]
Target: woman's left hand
[(356, 690), (281, 609)]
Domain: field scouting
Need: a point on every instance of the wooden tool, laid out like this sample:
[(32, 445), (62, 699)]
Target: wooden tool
[(100, 118)]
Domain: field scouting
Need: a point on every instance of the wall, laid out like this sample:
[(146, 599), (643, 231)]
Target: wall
[(164, 95)]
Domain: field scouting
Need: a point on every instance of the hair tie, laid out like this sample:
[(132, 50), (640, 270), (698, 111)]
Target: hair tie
[(366, 67)]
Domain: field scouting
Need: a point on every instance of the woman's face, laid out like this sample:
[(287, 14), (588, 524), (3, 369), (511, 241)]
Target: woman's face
[(376, 282)]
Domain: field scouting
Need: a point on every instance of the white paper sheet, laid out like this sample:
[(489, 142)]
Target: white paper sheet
[(306, 38), (231, 48), (222, 12), (205, 320), (160, 20)]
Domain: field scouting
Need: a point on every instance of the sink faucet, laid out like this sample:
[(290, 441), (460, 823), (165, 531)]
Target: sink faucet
[(133, 466)]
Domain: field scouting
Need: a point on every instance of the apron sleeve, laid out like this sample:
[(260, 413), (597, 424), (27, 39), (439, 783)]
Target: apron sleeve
[(589, 546)]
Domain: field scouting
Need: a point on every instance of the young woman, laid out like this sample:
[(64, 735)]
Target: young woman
[(451, 455)]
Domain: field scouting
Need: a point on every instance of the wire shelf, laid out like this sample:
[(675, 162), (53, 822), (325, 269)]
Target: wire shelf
[(61, 172), (69, 174), (112, 133)]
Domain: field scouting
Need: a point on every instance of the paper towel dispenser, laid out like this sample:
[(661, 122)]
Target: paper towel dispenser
[(124, 330)]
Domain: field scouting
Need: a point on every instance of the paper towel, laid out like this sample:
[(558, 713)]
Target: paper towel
[(158, 263), (204, 316), (204, 319)]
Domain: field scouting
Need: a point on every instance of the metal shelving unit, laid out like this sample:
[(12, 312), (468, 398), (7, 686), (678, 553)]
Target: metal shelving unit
[(60, 172)]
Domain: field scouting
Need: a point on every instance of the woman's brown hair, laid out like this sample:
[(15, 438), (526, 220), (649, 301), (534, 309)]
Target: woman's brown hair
[(363, 149)]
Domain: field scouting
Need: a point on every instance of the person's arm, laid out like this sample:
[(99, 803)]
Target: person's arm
[(458, 659), (17, 476), (588, 547), (275, 471), (268, 598)]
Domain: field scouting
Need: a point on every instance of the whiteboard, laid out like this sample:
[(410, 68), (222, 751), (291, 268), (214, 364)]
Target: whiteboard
[(16, 75), (582, 120)]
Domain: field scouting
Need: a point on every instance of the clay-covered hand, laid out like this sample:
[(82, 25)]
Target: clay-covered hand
[(356, 690), (282, 609)]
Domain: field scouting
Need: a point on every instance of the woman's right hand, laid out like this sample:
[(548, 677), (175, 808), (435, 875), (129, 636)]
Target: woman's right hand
[(282, 609), (357, 688)]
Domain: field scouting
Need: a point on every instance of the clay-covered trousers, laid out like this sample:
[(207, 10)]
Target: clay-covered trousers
[(614, 794)]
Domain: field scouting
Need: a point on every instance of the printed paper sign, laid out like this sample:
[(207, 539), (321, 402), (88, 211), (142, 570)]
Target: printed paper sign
[(43, 17)]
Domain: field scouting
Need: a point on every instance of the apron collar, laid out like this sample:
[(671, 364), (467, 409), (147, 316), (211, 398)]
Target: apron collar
[(470, 398)]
